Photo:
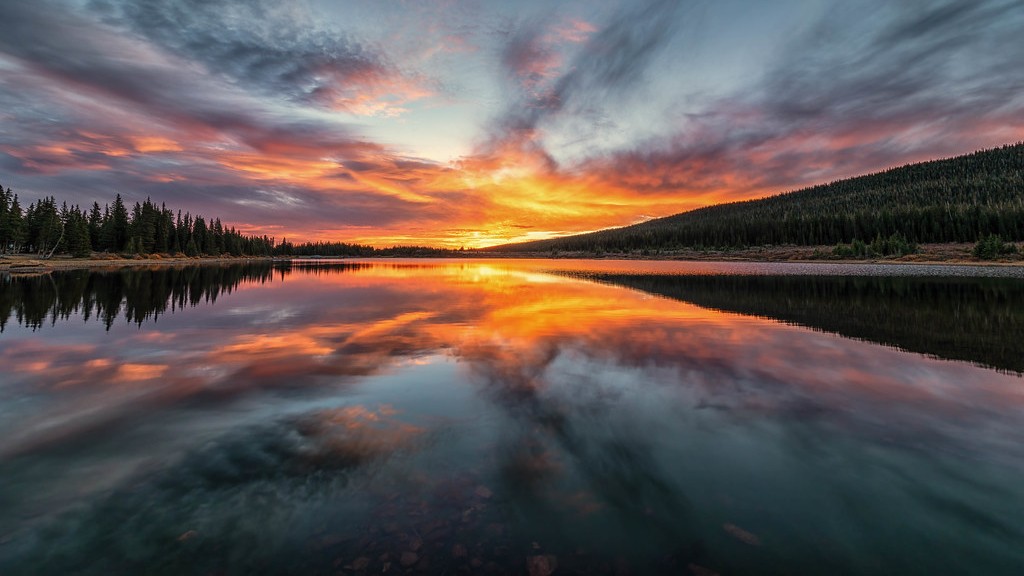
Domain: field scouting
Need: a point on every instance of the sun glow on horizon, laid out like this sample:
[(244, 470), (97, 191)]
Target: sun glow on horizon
[(436, 125)]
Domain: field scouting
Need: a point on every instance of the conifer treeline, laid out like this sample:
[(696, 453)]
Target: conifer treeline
[(44, 229), (961, 199), (340, 249)]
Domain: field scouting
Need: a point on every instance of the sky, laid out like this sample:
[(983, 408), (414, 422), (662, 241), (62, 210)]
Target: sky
[(477, 122)]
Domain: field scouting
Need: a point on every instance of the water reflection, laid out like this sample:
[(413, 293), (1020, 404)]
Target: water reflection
[(475, 417), (136, 293), (974, 319)]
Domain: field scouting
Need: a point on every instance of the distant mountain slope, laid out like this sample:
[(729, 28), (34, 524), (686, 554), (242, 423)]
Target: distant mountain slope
[(959, 199)]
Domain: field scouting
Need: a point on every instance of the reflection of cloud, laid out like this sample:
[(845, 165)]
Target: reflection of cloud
[(586, 386), (244, 485), (515, 337)]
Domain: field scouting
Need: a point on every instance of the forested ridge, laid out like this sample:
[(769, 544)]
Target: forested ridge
[(962, 199), (46, 229)]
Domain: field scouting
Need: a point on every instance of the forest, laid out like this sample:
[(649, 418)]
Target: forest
[(964, 199), (44, 229), (344, 249)]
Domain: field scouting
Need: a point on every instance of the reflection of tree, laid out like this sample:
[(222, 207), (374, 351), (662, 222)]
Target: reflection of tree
[(139, 295), (975, 319)]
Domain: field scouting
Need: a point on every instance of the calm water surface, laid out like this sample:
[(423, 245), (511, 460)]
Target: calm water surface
[(498, 417)]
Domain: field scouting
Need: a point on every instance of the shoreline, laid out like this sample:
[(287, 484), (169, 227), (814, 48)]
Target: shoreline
[(20, 263), (957, 255), (946, 254)]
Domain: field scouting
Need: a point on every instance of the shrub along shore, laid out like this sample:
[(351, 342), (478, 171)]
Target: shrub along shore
[(966, 254)]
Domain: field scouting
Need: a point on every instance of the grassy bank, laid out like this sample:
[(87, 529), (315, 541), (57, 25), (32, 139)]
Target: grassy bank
[(25, 263), (949, 253)]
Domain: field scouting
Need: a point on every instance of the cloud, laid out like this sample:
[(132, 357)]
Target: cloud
[(850, 95), (921, 60), (853, 95), (611, 61), (529, 58), (274, 48), (597, 117), (89, 121)]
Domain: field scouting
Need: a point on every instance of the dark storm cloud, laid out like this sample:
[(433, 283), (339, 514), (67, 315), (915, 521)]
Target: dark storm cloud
[(263, 45)]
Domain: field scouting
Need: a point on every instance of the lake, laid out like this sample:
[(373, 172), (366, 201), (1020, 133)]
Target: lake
[(513, 417)]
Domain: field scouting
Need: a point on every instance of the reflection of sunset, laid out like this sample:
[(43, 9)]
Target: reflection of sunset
[(455, 390), (130, 372), (510, 323)]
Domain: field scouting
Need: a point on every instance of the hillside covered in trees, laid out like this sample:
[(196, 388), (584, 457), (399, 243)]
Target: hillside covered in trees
[(962, 199), (45, 229)]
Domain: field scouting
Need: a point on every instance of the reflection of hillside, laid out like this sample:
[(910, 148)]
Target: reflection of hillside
[(974, 319)]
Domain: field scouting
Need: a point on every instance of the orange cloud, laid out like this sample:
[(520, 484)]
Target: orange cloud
[(154, 144)]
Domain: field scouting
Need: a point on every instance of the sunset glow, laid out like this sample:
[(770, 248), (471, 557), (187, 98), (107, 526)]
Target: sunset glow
[(474, 124)]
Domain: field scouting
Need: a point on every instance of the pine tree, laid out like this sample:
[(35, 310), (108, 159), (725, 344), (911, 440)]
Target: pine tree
[(94, 225), (77, 234), (5, 220), (16, 226), (45, 226), (46, 230), (199, 234), (119, 224)]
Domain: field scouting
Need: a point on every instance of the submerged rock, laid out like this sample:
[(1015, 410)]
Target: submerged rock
[(698, 570), (742, 535), (408, 559), (544, 565)]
